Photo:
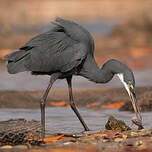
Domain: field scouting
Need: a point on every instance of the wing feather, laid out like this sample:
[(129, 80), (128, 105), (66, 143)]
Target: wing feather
[(52, 51), (60, 61)]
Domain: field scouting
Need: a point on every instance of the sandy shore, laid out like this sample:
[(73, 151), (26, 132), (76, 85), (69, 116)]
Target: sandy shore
[(113, 140)]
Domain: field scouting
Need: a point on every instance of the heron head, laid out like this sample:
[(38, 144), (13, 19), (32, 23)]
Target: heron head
[(129, 83)]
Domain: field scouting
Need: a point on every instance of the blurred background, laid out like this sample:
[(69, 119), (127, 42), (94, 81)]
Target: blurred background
[(121, 30)]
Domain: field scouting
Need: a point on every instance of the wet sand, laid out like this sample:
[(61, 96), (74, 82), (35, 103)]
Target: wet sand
[(93, 141)]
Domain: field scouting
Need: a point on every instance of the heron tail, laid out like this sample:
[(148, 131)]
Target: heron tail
[(17, 61)]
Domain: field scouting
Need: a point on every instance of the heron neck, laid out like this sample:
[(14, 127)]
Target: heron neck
[(92, 72)]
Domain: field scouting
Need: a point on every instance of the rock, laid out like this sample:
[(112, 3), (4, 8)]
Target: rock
[(116, 125)]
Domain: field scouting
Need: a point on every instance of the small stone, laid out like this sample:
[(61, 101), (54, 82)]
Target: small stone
[(67, 143), (6, 147), (133, 134), (20, 147), (118, 139), (138, 143), (124, 136), (105, 140)]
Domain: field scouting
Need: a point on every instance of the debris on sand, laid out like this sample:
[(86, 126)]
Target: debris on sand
[(19, 131), (118, 137)]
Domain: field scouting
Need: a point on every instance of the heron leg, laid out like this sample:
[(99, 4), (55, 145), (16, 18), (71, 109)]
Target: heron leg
[(53, 78), (73, 106)]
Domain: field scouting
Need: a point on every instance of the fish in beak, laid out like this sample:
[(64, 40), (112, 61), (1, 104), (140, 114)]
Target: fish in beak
[(137, 120)]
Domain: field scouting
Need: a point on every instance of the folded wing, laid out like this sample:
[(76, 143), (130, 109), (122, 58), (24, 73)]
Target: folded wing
[(52, 51)]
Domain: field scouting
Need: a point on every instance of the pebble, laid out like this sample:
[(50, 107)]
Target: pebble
[(67, 143), (141, 145), (124, 137), (138, 143), (118, 139), (6, 147), (105, 140), (133, 134), (20, 147)]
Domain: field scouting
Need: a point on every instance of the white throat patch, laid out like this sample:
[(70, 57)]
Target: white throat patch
[(121, 77)]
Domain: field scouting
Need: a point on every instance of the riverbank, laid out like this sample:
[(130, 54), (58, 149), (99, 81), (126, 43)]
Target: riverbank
[(103, 141), (90, 98)]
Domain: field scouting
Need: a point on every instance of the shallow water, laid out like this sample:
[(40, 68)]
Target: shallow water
[(63, 119), (26, 81)]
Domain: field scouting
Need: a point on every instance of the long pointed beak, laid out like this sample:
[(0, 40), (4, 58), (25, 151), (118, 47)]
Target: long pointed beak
[(138, 120)]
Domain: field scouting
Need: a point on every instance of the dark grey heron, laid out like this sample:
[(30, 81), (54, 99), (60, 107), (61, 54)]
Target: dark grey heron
[(67, 49)]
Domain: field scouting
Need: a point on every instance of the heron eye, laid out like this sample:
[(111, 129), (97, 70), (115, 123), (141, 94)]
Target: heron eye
[(129, 82)]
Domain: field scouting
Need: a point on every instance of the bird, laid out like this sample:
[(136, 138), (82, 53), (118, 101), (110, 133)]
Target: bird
[(64, 51)]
